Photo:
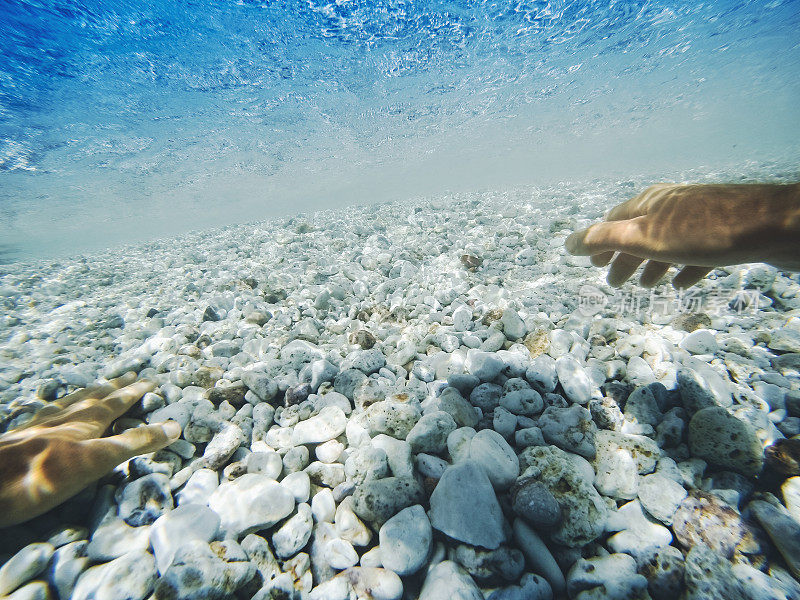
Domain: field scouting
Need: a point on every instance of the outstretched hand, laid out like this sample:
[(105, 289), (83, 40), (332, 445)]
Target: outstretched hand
[(61, 450), (697, 226)]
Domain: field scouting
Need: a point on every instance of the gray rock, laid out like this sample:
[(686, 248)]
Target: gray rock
[(406, 541), (533, 502), (484, 365), (525, 402), (398, 454), (448, 580), (24, 566), (329, 475), (642, 407), (197, 573), (464, 506), (366, 463), (663, 567), (486, 396), (531, 587), (701, 388), (513, 326), (542, 372), (430, 433), (492, 453), (378, 500), (145, 499), (571, 429), (720, 438), (450, 401), (538, 556), (611, 577), (36, 590), (131, 576), (502, 563), (250, 503), (366, 361)]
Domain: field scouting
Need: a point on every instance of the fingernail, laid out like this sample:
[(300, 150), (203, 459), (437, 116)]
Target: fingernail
[(172, 429)]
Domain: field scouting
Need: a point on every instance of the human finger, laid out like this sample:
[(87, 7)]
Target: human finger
[(96, 414), (621, 236), (54, 408), (623, 266), (111, 451), (602, 259), (653, 271), (690, 275)]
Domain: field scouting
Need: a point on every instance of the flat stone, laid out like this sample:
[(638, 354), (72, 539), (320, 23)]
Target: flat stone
[(638, 533), (661, 496), (250, 503), (464, 506)]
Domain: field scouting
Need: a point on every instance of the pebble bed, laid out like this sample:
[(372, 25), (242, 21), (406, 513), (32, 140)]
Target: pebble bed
[(414, 401)]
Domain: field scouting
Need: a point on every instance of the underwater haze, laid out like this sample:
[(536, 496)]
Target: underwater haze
[(123, 120)]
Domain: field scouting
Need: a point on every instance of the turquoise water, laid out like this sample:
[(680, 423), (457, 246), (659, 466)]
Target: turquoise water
[(127, 120)]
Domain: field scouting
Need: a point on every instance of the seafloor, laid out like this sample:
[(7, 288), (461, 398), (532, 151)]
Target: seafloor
[(426, 399)]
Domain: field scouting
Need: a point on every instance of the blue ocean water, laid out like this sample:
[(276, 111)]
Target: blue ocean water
[(129, 119)]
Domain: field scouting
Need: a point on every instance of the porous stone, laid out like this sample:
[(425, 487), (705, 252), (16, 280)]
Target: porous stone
[(198, 573), (709, 576), (378, 500), (583, 511), (145, 499), (571, 429), (720, 438)]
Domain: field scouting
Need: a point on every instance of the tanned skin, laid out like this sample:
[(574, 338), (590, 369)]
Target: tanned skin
[(61, 450), (698, 227)]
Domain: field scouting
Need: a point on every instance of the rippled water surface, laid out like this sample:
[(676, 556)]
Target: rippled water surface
[(128, 119)]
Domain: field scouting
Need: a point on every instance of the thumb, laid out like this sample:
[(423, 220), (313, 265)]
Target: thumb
[(610, 236)]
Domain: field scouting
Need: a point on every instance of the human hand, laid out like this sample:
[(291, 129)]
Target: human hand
[(697, 226), (60, 451)]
